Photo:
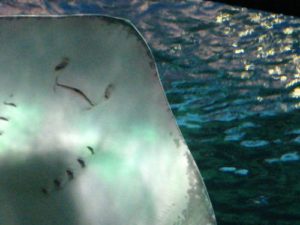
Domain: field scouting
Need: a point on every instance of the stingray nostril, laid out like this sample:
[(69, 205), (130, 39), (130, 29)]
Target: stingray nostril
[(64, 62)]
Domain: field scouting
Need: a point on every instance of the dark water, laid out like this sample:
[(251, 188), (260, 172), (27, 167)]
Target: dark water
[(232, 77)]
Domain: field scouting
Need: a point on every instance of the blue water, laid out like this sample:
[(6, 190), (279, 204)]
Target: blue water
[(232, 77)]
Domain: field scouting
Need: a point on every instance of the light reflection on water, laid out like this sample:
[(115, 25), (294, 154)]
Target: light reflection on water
[(232, 77)]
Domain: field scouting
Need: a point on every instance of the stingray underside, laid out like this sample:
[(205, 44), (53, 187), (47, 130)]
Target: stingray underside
[(86, 133)]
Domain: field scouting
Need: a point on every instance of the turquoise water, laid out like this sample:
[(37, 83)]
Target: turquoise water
[(232, 77)]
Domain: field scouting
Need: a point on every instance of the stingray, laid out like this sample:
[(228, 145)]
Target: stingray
[(86, 133)]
